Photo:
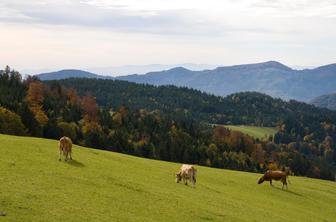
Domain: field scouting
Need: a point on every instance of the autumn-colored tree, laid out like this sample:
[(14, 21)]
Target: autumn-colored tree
[(90, 108), (93, 134), (34, 99), (212, 150), (327, 148), (123, 111), (220, 133), (35, 93), (259, 155), (117, 118), (272, 165), (73, 97), (120, 115)]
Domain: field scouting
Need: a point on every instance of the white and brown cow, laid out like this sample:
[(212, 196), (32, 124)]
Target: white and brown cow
[(187, 172), (65, 147)]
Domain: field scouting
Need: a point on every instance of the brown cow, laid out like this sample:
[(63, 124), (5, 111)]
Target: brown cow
[(65, 147), (187, 172), (275, 175)]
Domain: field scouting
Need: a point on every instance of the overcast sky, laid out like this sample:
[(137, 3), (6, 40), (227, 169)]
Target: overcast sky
[(91, 33)]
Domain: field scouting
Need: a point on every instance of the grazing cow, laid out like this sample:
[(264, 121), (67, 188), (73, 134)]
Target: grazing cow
[(187, 172), (275, 175), (65, 147)]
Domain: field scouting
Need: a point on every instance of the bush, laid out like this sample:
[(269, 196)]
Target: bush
[(10, 123), (68, 129)]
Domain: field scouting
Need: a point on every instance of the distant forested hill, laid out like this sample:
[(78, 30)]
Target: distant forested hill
[(325, 101), (250, 108), (272, 78), (69, 73)]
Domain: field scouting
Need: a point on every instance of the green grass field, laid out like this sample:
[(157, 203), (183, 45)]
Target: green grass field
[(254, 131), (106, 186)]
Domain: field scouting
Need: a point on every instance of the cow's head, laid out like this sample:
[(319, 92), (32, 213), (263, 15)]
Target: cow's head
[(287, 171), (178, 177), (261, 180)]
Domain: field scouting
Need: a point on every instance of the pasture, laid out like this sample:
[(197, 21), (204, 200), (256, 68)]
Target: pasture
[(105, 186), (253, 131)]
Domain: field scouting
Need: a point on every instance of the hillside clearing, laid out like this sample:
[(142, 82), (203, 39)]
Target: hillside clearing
[(254, 131), (105, 186)]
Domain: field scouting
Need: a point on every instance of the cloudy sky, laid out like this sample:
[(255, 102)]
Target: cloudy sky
[(58, 34)]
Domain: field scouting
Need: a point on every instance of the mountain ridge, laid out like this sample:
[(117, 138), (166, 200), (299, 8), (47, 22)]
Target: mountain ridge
[(271, 77), (325, 101), (268, 64), (70, 73)]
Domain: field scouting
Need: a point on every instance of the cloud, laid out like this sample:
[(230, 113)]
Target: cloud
[(188, 17), (111, 16), (197, 18), (177, 17), (298, 8), (131, 31)]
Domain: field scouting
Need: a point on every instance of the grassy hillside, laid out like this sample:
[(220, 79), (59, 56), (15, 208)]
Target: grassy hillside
[(254, 131), (105, 186)]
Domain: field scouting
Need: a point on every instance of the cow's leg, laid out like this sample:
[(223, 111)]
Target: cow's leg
[(60, 154), (193, 179), (271, 183), (284, 183), (66, 156)]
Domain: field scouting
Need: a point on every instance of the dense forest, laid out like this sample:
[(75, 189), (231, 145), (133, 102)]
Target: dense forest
[(171, 123), (250, 108)]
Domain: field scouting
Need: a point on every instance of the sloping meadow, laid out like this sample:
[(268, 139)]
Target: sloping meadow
[(106, 186)]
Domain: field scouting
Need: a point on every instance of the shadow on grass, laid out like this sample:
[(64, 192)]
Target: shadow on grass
[(75, 163), (288, 191), (187, 185)]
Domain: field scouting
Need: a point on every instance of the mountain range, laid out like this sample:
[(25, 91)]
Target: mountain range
[(272, 78), (143, 69), (127, 69)]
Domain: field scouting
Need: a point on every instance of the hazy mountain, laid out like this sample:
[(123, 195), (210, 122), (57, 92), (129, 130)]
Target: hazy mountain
[(70, 73), (143, 69), (272, 78), (325, 101)]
